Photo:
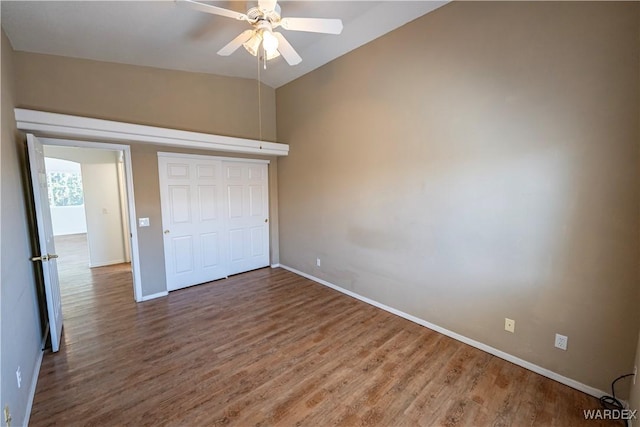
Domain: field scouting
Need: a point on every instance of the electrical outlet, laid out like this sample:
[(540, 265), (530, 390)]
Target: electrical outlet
[(19, 377), (318, 262), (561, 341), (509, 325)]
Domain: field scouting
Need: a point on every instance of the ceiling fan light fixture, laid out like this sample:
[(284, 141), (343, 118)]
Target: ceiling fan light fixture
[(253, 44), (269, 43), (264, 16), (272, 55)]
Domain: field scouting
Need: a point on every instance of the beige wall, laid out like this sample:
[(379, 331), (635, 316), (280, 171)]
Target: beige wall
[(142, 95), (634, 399), (19, 317), (476, 164)]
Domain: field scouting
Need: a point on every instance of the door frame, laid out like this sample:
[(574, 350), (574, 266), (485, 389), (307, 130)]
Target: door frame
[(131, 208)]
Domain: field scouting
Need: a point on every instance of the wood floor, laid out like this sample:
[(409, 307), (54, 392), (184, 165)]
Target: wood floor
[(272, 348)]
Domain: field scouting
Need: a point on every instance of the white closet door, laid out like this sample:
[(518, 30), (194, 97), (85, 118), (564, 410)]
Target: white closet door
[(247, 215), (192, 220)]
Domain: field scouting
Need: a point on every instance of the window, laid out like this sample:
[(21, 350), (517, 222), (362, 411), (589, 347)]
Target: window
[(65, 189)]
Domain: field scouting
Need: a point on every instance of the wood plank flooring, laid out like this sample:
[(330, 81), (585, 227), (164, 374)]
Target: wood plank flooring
[(269, 347)]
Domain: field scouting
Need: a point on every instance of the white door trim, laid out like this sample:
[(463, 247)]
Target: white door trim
[(128, 173), (205, 157), (42, 123)]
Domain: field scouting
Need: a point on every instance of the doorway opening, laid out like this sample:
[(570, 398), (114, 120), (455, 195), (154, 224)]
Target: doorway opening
[(87, 199), (105, 170), (101, 192)]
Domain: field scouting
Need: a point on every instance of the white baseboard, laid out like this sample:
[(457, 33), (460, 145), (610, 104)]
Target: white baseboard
[(32, 390), (105, 263), (477, 344), (275, 265), (154, 296)]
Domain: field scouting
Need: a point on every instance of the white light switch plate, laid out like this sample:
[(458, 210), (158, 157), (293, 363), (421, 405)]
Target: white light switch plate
[(143, 222)]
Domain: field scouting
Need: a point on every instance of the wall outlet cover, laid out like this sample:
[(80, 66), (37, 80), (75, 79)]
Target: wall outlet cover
[(561, 341), (509, 325)]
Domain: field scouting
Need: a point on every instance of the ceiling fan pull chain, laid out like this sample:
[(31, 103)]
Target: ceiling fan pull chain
[(264, 56), (259, 104)]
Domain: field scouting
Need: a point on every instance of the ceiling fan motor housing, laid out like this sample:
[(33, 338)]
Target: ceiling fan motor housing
[(255, 14)]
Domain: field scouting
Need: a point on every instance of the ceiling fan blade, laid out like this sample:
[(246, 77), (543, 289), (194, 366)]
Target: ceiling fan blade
[(287, 51), (215, 10), (267, 5), (235, 43), (312, 25)]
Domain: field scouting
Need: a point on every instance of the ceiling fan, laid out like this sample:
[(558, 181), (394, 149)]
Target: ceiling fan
[(264, 18)]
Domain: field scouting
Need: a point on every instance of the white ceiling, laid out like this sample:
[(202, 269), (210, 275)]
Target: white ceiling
[(163, 35)]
